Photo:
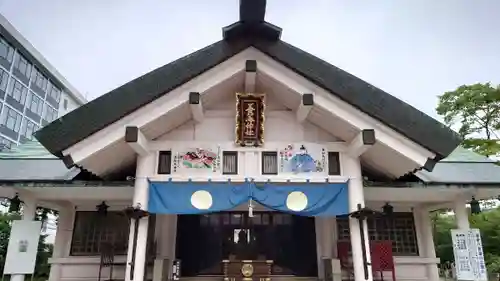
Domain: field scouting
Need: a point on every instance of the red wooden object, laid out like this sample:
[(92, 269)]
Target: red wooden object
[(344, 255), (381, 257)]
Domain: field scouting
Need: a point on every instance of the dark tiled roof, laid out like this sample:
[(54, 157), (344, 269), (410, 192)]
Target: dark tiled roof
[(28, 150), (36, 169), (99, 113), (108, 108), (463, 166), (462, 173), (32, 162), (373, 101)]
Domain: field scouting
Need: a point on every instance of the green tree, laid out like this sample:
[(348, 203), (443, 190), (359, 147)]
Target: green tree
[(475, 111), (487, 222), (42, 266), (5, 226), (442, 225)]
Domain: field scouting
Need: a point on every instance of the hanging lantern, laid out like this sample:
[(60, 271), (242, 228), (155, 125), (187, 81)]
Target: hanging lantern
[(15, 204), (475, 207), (102, 209), (388, 209)]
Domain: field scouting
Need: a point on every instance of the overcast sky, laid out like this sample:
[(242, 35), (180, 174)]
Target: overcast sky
[(413, 49)]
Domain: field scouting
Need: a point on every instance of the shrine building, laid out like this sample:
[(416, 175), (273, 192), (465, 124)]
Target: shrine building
[(249, 159)]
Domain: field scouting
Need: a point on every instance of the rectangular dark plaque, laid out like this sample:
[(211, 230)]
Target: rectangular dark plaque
[(250, 119)]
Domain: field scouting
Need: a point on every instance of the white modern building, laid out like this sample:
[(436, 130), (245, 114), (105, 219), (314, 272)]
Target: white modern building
[(32, 92), (249, 159)]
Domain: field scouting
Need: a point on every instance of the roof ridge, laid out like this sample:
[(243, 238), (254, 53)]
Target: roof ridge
[(107, 109), (365, 97), (326, 63)]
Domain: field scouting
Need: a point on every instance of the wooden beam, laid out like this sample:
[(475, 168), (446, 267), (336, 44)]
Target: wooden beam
[(305, 107), (361, 143), (196, 106), (250, 75), (68, 161), (136, 140)]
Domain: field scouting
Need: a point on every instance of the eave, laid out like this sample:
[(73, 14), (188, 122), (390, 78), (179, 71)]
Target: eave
[(103, 111), (317, 106)]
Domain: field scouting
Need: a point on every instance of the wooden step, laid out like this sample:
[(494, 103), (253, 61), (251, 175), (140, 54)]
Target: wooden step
[(273, 278)]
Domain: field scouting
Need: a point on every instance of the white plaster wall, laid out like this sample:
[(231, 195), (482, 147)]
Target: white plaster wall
[(281, 128), (217, 132), (86, 268), (219, 124), (82, 268), (407, 268)]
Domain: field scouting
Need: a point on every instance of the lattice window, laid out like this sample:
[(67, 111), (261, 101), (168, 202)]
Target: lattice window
[(333, 164), (91, 231), (400, 229), (164, 162), (269, 163), (230, 162)]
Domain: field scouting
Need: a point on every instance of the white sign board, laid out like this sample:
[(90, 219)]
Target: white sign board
[(469, 255), (23, 247)]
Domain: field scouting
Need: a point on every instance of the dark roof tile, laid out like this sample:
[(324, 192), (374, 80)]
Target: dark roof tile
[(101, 112), (373, 101), (106, 109)]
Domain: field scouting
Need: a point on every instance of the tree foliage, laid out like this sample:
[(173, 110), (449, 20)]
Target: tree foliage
[(488, 222), (5, 226), (475, 111), (442, 225)]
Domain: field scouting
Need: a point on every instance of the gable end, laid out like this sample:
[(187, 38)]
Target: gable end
[(396, 114), (108, 108), (250, 30)]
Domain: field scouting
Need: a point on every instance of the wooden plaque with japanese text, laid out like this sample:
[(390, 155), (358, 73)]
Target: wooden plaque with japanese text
[(250, 119)]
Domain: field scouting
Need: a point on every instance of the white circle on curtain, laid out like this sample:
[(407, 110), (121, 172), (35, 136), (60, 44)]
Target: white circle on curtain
[(296, 201), (201, 200)]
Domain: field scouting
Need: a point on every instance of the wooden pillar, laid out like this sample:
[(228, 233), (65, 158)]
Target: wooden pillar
[(145, 168), (63, 235), (352, 168), (428, 243)]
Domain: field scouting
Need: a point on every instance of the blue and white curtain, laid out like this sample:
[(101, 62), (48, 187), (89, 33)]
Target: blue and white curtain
[(306, 199)]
